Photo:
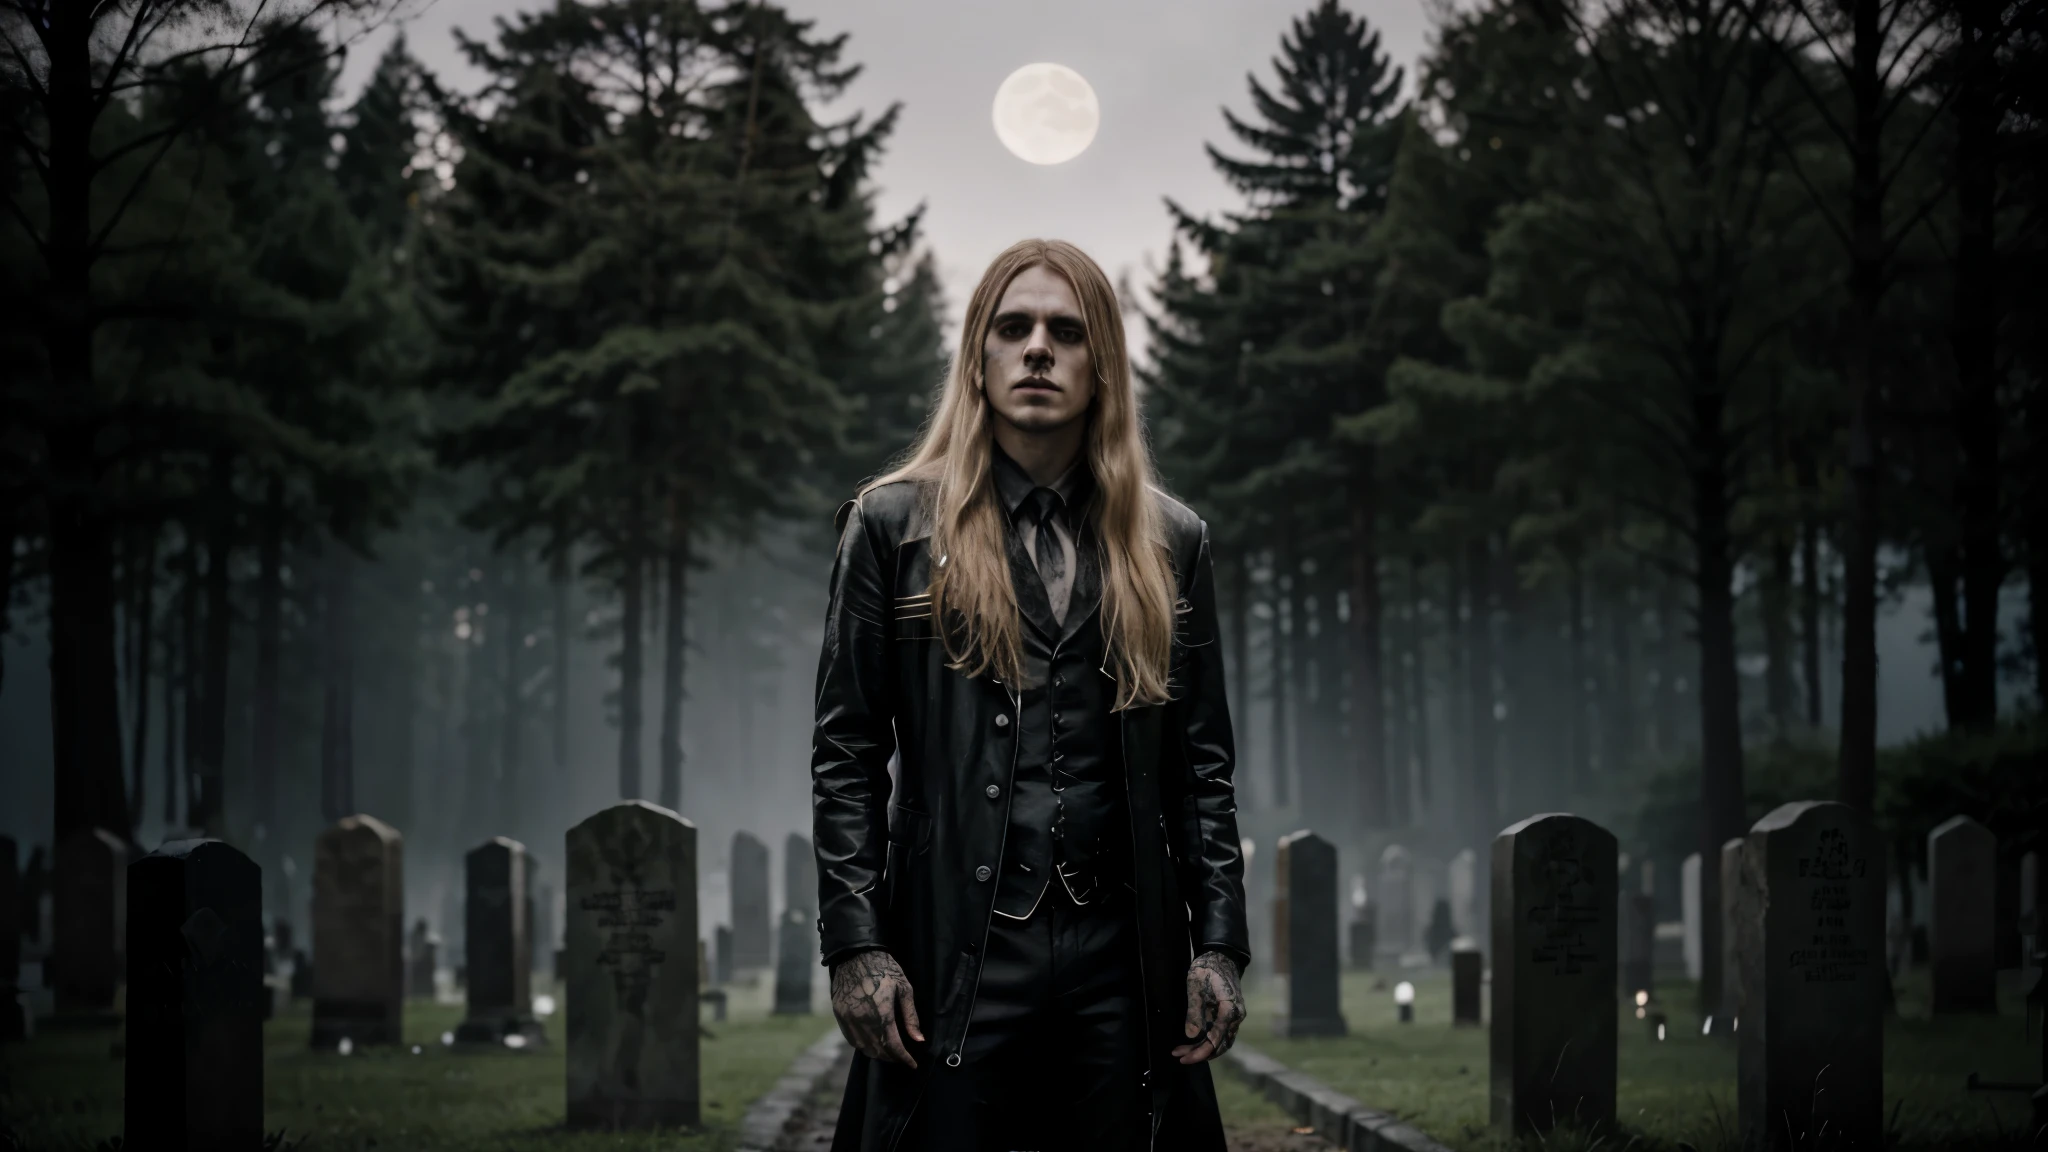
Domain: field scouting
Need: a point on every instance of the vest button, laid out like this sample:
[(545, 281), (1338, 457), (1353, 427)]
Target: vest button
[(982, 873), (992, 791), (1002, 720)]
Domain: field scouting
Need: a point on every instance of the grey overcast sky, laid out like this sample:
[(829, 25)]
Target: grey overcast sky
[(1162, 69)]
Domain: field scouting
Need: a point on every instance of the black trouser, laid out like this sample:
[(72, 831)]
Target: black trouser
[(1055, 1055)]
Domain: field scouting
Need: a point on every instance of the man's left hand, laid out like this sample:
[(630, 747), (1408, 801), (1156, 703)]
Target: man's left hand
[(1215, 1008)]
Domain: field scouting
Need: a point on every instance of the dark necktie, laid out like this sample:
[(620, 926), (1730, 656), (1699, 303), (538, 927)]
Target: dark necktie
[(1043, 504)]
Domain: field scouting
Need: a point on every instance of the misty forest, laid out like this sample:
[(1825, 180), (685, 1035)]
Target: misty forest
[(1570, 416)]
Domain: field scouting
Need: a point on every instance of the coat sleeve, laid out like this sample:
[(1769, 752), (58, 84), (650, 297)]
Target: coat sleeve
[(851, 743), (1212, 861)]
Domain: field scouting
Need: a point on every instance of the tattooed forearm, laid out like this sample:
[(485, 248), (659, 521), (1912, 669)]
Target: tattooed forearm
[(872, 999), (1215, 1008)]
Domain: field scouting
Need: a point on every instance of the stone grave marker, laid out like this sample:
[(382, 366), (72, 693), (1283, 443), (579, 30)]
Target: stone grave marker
[(1730, 1015), (1467, 966), (721, 971), (1689, 913), (193, 1065), (753, 941), (1962, 930), (1810, 1049), (631, 972), (1313, 1007), (423, 956), (14, 1019), (1397, 904), (498, 942), (796, 955), (358, 963), (89, 914), (1463, 878), (1552, 1044)]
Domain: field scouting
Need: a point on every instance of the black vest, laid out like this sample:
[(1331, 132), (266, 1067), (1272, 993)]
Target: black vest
[(1067, 804)]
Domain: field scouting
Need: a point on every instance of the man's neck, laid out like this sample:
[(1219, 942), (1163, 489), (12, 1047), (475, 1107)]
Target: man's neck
[(1044, 456)]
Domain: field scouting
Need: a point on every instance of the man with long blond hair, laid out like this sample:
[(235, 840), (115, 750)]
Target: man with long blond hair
[(1036, 929)]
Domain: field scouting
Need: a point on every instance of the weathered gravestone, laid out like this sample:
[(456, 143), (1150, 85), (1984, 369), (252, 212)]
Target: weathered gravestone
[(423, 956), (1463, 878), (796, 955), (14, 1018), (721, 939), (1467, 967), (89, 902), (1689, 913), (498, 942), (1553, 1039), (1730, 944), (1313, 1007), (358, 979), (753, 943), (630, 969), (1810, 910), (1962, 930), (1396, 895), (194, 1059)]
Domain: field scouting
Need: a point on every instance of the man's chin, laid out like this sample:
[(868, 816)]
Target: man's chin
[(1038, 420)]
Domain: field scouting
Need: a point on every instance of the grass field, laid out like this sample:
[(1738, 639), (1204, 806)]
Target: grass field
[(62, 1091), (1680, 1089)]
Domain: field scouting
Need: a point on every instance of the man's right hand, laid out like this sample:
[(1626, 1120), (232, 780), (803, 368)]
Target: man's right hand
[(869, 993)]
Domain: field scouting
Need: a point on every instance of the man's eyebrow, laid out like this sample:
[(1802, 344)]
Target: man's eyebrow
[(1055, 318)]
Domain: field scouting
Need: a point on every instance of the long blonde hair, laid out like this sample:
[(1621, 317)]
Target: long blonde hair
[(972, 597)]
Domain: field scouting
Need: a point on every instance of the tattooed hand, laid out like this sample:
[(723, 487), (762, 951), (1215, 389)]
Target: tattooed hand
[(869, 994), (1215, 1008)]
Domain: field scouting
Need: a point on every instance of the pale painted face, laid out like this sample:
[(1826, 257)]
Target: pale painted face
[(1035, 364)]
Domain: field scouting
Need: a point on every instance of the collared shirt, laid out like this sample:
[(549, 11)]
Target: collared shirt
[(1013, 486)]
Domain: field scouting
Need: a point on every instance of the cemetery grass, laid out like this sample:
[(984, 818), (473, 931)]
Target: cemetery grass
[(61, 1091), (1680, 1090)]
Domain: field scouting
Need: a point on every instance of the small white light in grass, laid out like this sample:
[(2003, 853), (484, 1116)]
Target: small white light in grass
[(1404, 993), (1707, 1026), (515, 1040), (415, 1049), (447, 1039), (1660, 1031), (1735, 1023), (1642, 998), (346, 1046), (543, 1005)]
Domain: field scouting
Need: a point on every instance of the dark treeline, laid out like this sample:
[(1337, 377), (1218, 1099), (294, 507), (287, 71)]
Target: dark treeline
[(1561, 424), (1571, 419), (341, 433)]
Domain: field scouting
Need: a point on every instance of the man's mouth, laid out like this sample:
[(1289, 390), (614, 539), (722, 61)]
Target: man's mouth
[(1037, 384)]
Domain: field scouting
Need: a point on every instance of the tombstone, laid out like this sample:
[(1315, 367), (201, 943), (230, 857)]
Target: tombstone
[(1962, 862), (721, 939), (799, 876), (358, 985), (1730, 1013), (14, 1020), (499, 946), (1397, 904), (1810, 910), (194, 1054), (753, 943), (89, 888), (1689, 913), (796, 955), (1467, 965), (1462, 877), (1313, 1007), (630, 973), (423, 957), (1553, 1039)]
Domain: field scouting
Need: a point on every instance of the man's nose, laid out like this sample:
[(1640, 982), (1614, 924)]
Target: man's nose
[(1038, 353)]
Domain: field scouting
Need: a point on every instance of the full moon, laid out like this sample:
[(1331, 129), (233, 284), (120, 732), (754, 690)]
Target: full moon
[(1046, 114)]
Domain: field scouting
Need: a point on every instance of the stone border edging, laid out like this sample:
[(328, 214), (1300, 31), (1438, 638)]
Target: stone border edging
[(763, 1127), (1335, 1117)]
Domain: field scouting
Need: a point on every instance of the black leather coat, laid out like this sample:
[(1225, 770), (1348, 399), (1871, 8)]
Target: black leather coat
[(904, 868)]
